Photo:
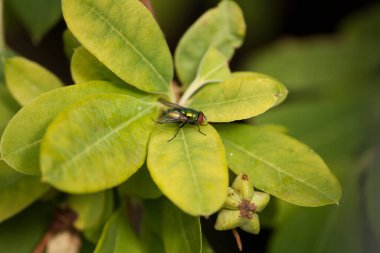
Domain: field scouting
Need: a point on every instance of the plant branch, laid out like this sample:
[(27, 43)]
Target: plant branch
[(193, 87)]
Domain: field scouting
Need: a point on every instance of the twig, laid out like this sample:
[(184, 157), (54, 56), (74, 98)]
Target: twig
[(237, 238)]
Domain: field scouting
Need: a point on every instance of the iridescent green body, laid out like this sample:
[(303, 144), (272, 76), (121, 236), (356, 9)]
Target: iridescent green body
[(191, 114), (183, 115)]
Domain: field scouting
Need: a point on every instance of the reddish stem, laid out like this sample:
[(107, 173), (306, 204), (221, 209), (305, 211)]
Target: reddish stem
[(148, 5), (237, 238)]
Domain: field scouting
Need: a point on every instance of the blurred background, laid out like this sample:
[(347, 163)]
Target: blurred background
[(328, 55)]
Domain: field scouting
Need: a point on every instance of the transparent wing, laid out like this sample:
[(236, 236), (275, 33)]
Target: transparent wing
[(172, 117), (169, 104)]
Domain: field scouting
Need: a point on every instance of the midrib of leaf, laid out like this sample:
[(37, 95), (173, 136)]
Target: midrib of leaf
[(193, 176), (125, 39), (276, 168), (184, 234), (238, 99), (212, 71), (104, 138), (30, 145)]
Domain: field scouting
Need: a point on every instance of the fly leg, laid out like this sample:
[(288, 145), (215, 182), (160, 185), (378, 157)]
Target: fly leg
[(199, 129), (182, 124), (158, 122)]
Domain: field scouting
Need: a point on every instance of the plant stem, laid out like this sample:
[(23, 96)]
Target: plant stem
[(237, 238), (193, 87), (2, 35)]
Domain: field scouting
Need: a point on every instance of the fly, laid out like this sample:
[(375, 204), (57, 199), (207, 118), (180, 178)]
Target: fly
[(182, 115)]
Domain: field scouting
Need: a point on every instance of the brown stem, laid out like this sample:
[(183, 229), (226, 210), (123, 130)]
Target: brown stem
[(63, 219), (237, 238), (43, 243)]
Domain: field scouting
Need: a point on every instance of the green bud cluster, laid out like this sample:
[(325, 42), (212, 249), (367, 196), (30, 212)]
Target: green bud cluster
[(241, 206)]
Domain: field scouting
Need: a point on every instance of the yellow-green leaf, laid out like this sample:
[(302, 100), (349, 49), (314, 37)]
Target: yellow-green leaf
[(97, 143), (92, 209), (85, 67), (237, 98), (222, 27), (283, 91), (17, 191), (26, 79), (140, 185), (38, 16), (124, 36), (118, 236), (180, 232), (20, 148), (190, 170), (213, 68), (70, 43), (8, 107), (279, 165)]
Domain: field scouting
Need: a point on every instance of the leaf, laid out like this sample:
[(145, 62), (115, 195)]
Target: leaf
[(97, 143), (237, 98), (283, 93), (92, 209), (328, 229), (213, 68), (151, 227), (4, 54), (166, 229), (85, 67), (26, 79), (118, 236), (279, 165), (206, 247), (363, 24), (140, 185), (306, 63), (70, 43), (38, 16), (190, 170), (20, 148), (339, 119), (8, 107), (22, 233), (372, 190), (222, 27), (180, 232), (17, 191), (124, 36)]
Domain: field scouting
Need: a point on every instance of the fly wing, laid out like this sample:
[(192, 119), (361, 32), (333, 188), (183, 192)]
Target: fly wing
[(172, 117), (169, 104)]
